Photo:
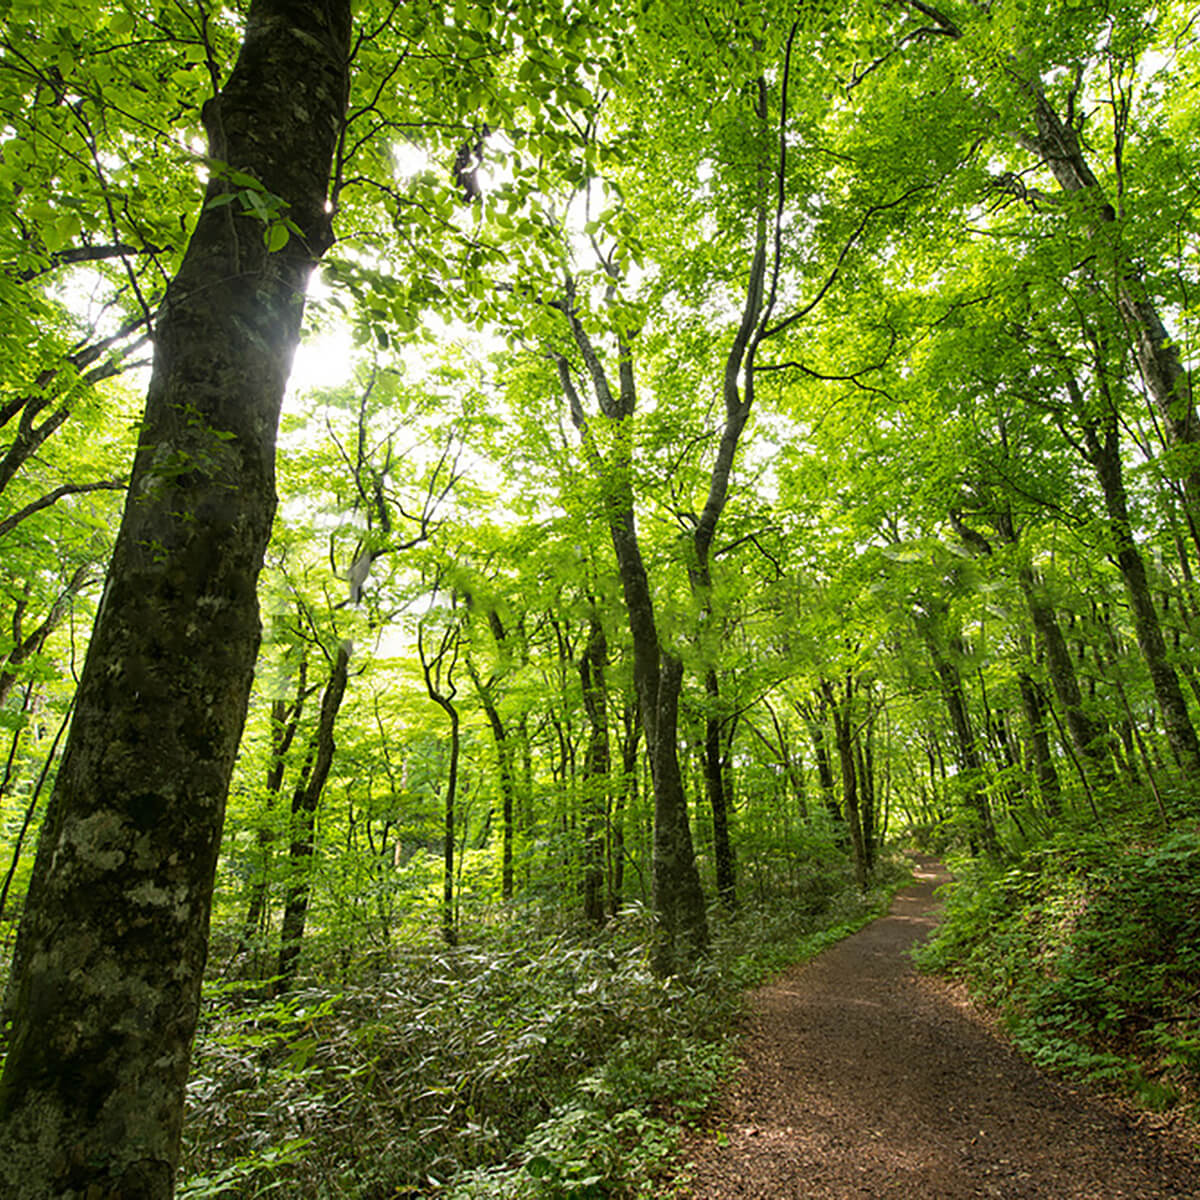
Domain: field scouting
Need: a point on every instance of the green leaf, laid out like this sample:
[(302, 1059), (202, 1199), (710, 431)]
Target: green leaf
[(540, 1167), (276, 236)]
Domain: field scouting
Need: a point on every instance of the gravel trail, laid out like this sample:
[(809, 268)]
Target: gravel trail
[(864, 1080)]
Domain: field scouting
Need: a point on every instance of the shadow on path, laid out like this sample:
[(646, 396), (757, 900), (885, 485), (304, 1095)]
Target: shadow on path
[(863, 1079)]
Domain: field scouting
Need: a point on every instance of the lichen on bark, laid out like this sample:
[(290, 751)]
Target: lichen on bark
[(112, 945)]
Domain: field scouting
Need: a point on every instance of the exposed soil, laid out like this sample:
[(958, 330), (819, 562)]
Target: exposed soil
[(863, 1079)]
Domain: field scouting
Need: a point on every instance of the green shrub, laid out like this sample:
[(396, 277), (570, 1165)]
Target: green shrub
[(564, 1069), (1090, 948)]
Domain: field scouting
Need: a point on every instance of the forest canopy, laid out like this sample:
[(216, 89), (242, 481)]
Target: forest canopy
[(725, 435)]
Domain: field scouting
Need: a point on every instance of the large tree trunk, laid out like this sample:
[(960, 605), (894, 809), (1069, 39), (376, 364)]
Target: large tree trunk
[(682, 932), (625, 798), (867, 806), (816, 731), (679, 901), (1089, 737), (678, 897), (113, 943)]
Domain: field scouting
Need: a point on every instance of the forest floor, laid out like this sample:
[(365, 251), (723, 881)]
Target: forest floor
[(863, 1079)]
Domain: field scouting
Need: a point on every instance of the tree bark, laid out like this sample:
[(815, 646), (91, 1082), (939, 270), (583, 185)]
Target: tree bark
[(867, 808), (816, 731), (954, 697), (626, 798), (678, 897), (657, 675), (30, 811), (26, 645), (1089, 738), (112, 946), (449, 924), (437, 669)]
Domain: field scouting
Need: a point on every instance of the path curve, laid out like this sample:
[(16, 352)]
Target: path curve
[(866, 1081)]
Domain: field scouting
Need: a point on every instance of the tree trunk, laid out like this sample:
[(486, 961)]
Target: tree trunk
[(865, 763), (285, 719), (816, 731), (1157, 353), (15, 744), (844, 739), (596, 771), (449, 925), (657, 673), (504, 763), (305, 800), (439, 683), (1039, 740), (30, 811), (625, 799), (657, 676), (1088, 737), (26, 645), (1104, 451), (718, 800), (678, 898), (955, 700), (112, 946)]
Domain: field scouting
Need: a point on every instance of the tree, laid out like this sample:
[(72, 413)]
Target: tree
[(437, 666), (113, 941)]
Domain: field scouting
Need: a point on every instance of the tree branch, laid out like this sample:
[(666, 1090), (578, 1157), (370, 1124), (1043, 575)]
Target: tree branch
[(68, 489)]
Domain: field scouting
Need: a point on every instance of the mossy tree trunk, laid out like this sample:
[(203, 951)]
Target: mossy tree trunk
[(112, 946)]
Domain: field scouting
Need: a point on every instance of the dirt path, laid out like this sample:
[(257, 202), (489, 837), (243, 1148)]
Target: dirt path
[(864, 1080)]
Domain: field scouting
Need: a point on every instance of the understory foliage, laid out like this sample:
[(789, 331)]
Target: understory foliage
[(1089, 946), (722, 435), (532, 1067)]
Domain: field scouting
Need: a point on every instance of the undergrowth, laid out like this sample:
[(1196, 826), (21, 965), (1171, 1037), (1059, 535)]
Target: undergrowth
[(564, 1069), (1089, 947)]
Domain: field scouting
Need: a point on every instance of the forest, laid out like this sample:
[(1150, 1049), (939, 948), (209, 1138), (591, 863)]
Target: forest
[(512, 514)]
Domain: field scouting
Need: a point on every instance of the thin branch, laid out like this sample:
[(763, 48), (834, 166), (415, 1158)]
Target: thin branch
[(82, 254), (849, 245), (67, 489)]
